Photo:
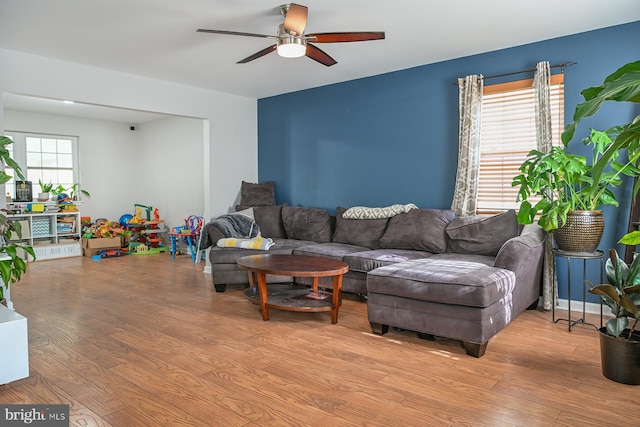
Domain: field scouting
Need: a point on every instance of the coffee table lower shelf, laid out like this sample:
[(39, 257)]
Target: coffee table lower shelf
[(292, 298)]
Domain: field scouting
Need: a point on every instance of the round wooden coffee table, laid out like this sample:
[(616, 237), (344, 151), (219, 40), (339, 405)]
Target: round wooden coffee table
[(290, 297)]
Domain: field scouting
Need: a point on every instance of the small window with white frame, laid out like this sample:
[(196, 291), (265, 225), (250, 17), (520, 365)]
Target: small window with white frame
[(47, 158)]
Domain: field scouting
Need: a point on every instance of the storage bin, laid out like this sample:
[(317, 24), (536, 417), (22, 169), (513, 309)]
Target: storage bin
[(41, 227)]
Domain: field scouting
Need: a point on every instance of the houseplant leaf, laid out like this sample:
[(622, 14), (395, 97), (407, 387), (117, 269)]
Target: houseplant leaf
[(608, 295), (621, 85), (616, 326), (631, 239)]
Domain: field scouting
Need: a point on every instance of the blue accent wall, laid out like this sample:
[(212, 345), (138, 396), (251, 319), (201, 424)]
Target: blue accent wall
[(393, 138)]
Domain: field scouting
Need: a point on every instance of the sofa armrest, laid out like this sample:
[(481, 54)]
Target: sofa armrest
[(519, 248), (524, 255), (210, 236), (214, 235)]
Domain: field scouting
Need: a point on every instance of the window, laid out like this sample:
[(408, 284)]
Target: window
[(508, 134), (50, 158)]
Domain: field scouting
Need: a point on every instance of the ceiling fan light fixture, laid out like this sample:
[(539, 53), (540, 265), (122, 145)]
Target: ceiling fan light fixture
[(292, 47), (291, 41)]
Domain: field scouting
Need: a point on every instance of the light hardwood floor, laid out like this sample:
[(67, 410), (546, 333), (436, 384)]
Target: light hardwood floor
[(144, 340)]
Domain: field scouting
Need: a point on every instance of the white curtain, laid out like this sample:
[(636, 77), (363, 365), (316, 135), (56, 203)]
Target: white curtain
[(541, 83), (466, 192)]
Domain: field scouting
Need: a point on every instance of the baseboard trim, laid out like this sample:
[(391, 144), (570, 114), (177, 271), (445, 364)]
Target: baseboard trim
[(576, 307)]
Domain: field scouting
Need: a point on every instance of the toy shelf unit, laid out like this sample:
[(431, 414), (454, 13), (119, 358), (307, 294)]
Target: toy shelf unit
[(52, 235)]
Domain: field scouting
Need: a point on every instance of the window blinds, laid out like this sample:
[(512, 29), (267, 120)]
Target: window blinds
[(508, 134)]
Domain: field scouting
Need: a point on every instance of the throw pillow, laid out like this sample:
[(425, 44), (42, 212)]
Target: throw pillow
[(269, 218), (307, 224), (481, 235), (263, 194), (360, 232), (419, 229), (247, 212), (362, 212)]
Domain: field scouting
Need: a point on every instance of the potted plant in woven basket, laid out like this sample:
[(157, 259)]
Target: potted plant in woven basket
[(571, 187), (620, 339), (12, 255)]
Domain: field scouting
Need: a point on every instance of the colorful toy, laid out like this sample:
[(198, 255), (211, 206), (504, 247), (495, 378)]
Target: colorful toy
[(124, 219), (194, 224), (139, 236), (189, 234), (139, 211), (108, 253), (63, 199)]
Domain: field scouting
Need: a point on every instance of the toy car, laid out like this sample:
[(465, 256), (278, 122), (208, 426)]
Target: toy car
[(109, 253)]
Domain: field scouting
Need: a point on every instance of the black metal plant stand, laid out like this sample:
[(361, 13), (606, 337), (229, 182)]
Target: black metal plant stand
[(584, 257)]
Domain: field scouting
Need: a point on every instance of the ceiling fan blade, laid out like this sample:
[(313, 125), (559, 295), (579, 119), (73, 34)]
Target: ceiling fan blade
[(235, 33), (257, 55), (319, 56), (295, 21), (361, 36)]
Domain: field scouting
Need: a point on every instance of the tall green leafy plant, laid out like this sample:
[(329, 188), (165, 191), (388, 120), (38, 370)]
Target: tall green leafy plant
[(621, 86), (12, 263), (566, 181)]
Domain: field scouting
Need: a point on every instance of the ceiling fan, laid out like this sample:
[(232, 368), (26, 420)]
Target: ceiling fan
[(292, 42)]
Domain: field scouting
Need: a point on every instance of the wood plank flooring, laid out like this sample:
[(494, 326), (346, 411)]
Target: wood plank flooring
[(144, 340)]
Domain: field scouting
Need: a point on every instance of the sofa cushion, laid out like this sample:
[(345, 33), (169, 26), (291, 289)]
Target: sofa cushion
[(419, 229), (246, 212), (360, 232), (328, 250), (269, 219), (478, 259), (307, 223), (262, 194), (482, 235), (370, 260), (443, 281)]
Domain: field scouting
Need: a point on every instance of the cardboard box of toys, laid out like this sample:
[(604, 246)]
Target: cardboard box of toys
[(91, 247)]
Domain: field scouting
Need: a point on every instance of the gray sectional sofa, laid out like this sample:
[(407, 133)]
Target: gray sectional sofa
[(423, 270)]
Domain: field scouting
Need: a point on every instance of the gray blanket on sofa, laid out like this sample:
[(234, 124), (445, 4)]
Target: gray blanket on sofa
[(235, 225)]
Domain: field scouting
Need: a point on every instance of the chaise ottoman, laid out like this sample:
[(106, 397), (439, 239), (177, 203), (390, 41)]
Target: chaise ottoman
[(467, 300)]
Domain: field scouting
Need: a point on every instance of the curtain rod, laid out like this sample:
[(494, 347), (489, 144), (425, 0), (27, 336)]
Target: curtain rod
[(563, 65)]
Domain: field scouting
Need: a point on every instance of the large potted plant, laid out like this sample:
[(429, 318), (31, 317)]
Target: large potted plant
[(572, 186), (12, 263), (620, 341)]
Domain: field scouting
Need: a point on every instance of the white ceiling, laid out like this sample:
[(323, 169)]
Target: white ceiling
[(158, 38)]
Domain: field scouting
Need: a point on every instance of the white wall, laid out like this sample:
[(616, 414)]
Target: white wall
[(120, 167), (230, 131), (169, 168)]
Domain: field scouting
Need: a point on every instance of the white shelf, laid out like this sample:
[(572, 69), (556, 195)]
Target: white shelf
[(40, 230)]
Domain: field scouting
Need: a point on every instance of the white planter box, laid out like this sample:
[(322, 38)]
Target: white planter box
[(14, 357)]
